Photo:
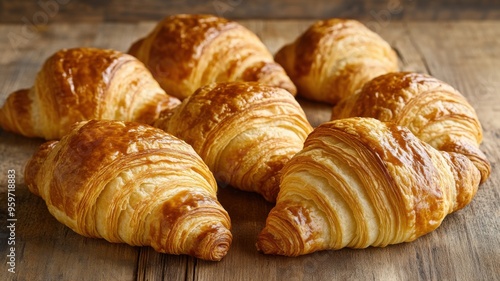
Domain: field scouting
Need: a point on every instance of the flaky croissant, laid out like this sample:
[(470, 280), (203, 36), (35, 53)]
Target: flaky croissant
[(83, 84), (334, 58), (185, 52), (131, 183), (245, 132), (361, 182), (433, 110)]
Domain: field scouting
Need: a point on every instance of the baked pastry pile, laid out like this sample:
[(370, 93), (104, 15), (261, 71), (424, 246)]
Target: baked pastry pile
[(136, 161)]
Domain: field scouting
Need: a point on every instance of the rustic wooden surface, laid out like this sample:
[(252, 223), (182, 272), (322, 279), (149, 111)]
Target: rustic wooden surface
[(21, 11), (466, 54)]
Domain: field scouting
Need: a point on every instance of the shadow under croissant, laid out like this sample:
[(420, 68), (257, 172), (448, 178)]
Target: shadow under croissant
[(248, 212), (316, 112)]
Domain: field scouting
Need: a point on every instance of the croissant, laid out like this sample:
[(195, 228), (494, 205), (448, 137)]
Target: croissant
[(334, 58), (433, 110), (131, 183), (244, 131), (82, 84), (185, 52), (361, 182)]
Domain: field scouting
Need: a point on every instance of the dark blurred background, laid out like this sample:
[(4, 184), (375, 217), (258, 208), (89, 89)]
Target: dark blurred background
[(18, 11)]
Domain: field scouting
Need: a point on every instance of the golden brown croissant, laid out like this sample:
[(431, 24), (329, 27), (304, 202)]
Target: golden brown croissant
[(185, 52), (83, 84), (131, 183), (433, 110), (361, 182), (334, 58), (245, 132)]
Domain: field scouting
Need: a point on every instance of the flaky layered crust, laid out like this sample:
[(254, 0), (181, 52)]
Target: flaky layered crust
[(334, 58), (185, 52), (433, 110), (360, 182), (245, 132), (83, 84), (131, 183)]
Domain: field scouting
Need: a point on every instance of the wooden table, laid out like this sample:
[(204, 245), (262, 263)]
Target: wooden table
[(465, 54)]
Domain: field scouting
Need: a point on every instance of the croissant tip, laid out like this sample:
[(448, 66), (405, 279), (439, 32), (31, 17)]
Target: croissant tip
[(264, 246), (220, 251), (270, 189), (218, 244), (34, 165), (270, 244)]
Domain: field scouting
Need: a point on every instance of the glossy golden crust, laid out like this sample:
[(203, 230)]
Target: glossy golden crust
[(15, 114), (83, 84), (433, 110), (334, 58), (244, 131), (131, 183), (360, 182), (185, 52)]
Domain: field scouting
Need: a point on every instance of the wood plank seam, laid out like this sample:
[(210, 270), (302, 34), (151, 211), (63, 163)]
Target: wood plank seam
[(417, 47)]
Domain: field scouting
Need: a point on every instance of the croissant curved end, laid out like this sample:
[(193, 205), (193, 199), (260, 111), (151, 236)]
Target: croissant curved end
[(286, 234), (270, 188), (269, 244), (34, 164), (275, 243), (15, 114), (214, 244), (467, 178), (211, 245), (474, 154)]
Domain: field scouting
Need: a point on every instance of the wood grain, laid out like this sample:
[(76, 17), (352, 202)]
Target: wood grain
[(42, 11), (465, 247)]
